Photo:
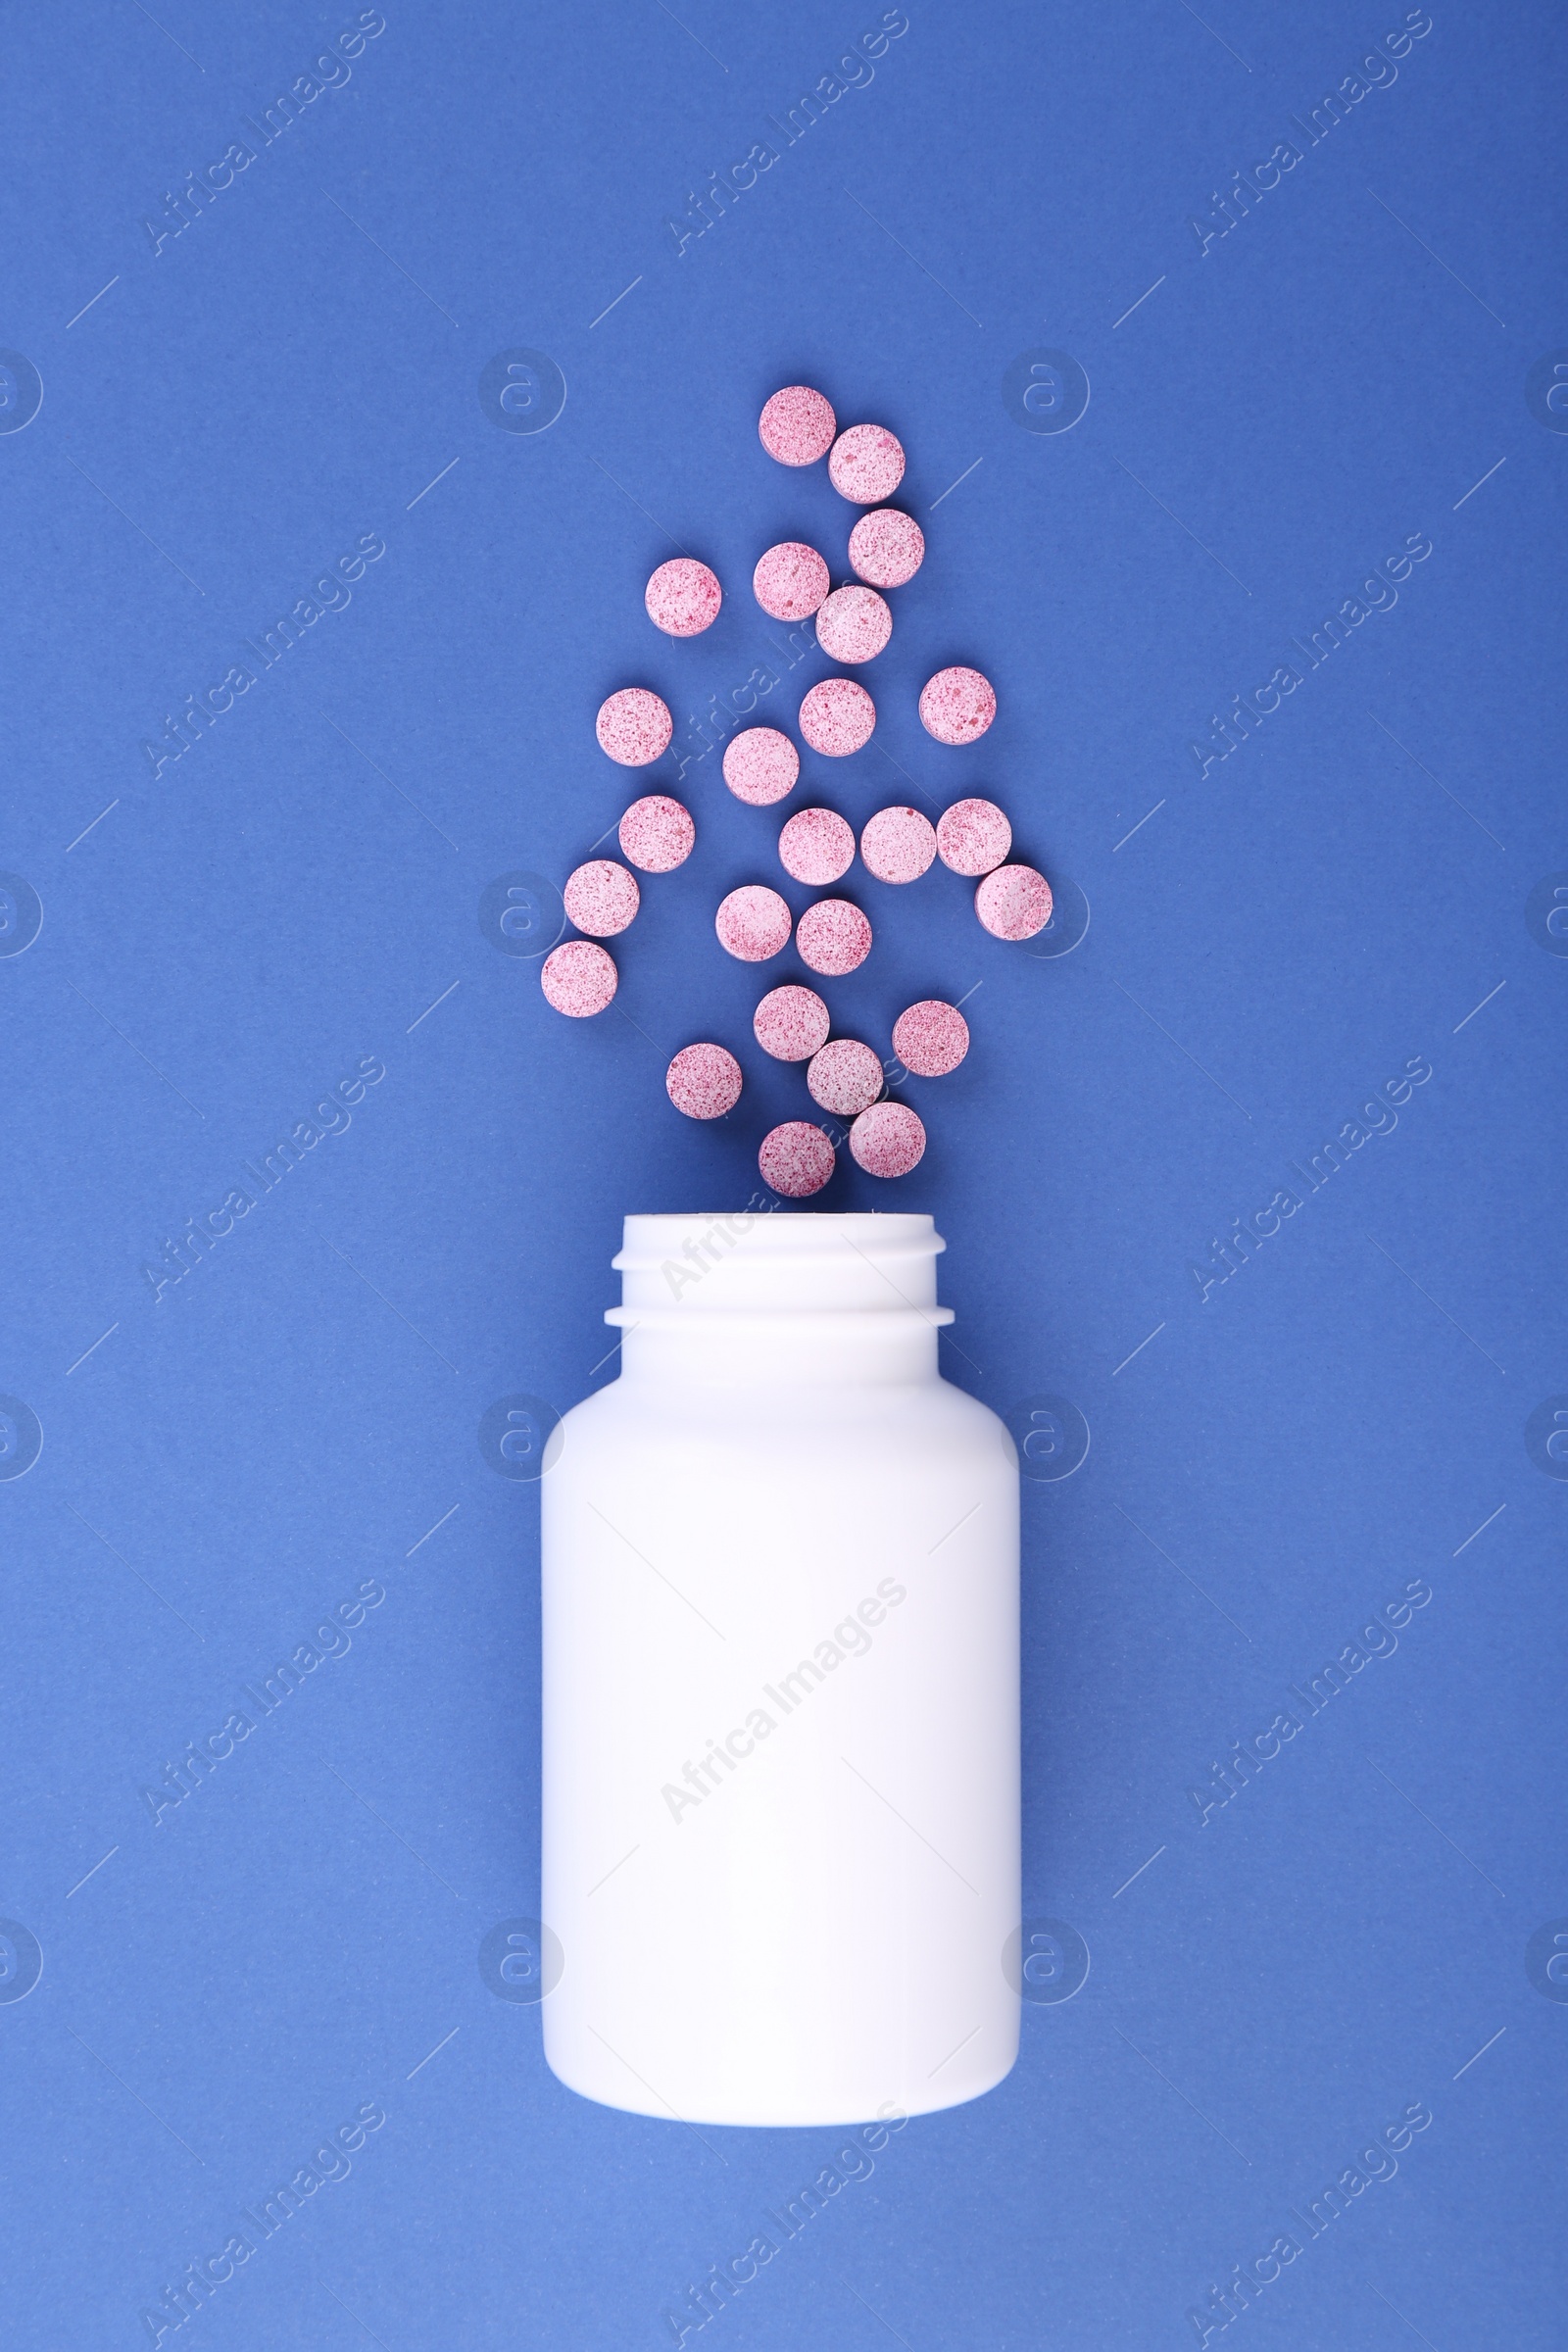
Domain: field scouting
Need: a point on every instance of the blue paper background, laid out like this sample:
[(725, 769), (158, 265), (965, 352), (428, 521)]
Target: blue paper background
[(223, 943)]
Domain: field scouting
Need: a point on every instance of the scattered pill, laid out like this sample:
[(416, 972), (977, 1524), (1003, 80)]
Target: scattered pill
[(832, 937), (683, 597), (797, 425), (760, 766), (837, 717), (844, 1077), (796, 1160), (957, 706), (853, 625), (634, 726), (816, 847), (931, 1038), (1013, 901), (578, 978), (790, 1022), (867, 465), (973, 836), (704, 1082), (601, 898), (790, 581), (657, 834), (752, 923), (887, 1140), (897, 845), (887, 547)]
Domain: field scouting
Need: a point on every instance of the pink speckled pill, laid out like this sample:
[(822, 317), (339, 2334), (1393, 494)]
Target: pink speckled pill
[(887, 547), (1013, 901), (931, 1038), (887, 1140), (578, 978), (957, 706), (796, 1160), (853, 625), (657, 834), (683, 597), (634, 726), (844, 1077), (760, 766), (897, 845), (601, 898), (867, 465), (837, 717), (816, 847), (752, 923), (790, 1022), (973, 836), (797, 425), (790, 581), (704, 1082), (832, 937)]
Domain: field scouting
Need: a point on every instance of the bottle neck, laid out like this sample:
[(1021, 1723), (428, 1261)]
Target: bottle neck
[(779, 1300)]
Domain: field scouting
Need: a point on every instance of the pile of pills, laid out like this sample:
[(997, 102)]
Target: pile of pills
[(762, 765)]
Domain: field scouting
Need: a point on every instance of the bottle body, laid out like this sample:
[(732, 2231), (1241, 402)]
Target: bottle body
[(781, 1692)]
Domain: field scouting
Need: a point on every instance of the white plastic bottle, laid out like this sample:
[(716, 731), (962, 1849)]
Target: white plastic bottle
[(780, 1585)]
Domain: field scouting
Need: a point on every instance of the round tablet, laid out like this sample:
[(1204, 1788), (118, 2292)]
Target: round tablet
[(867, 465), (760, 766), (973, 836), (897, 845), (790, 581), (657, 834), (790, 1023), (797, 425), (704, 1082), (837, 717), (796, 1160), (816, 847), (833, 937), (931, 1038), (887, 1140), (601, 898), (683, 597), (844, 1077), (887, 547), (1013, 901), (853, 625), (957, 706), (578, 978), (752, 923), (634, 726)]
